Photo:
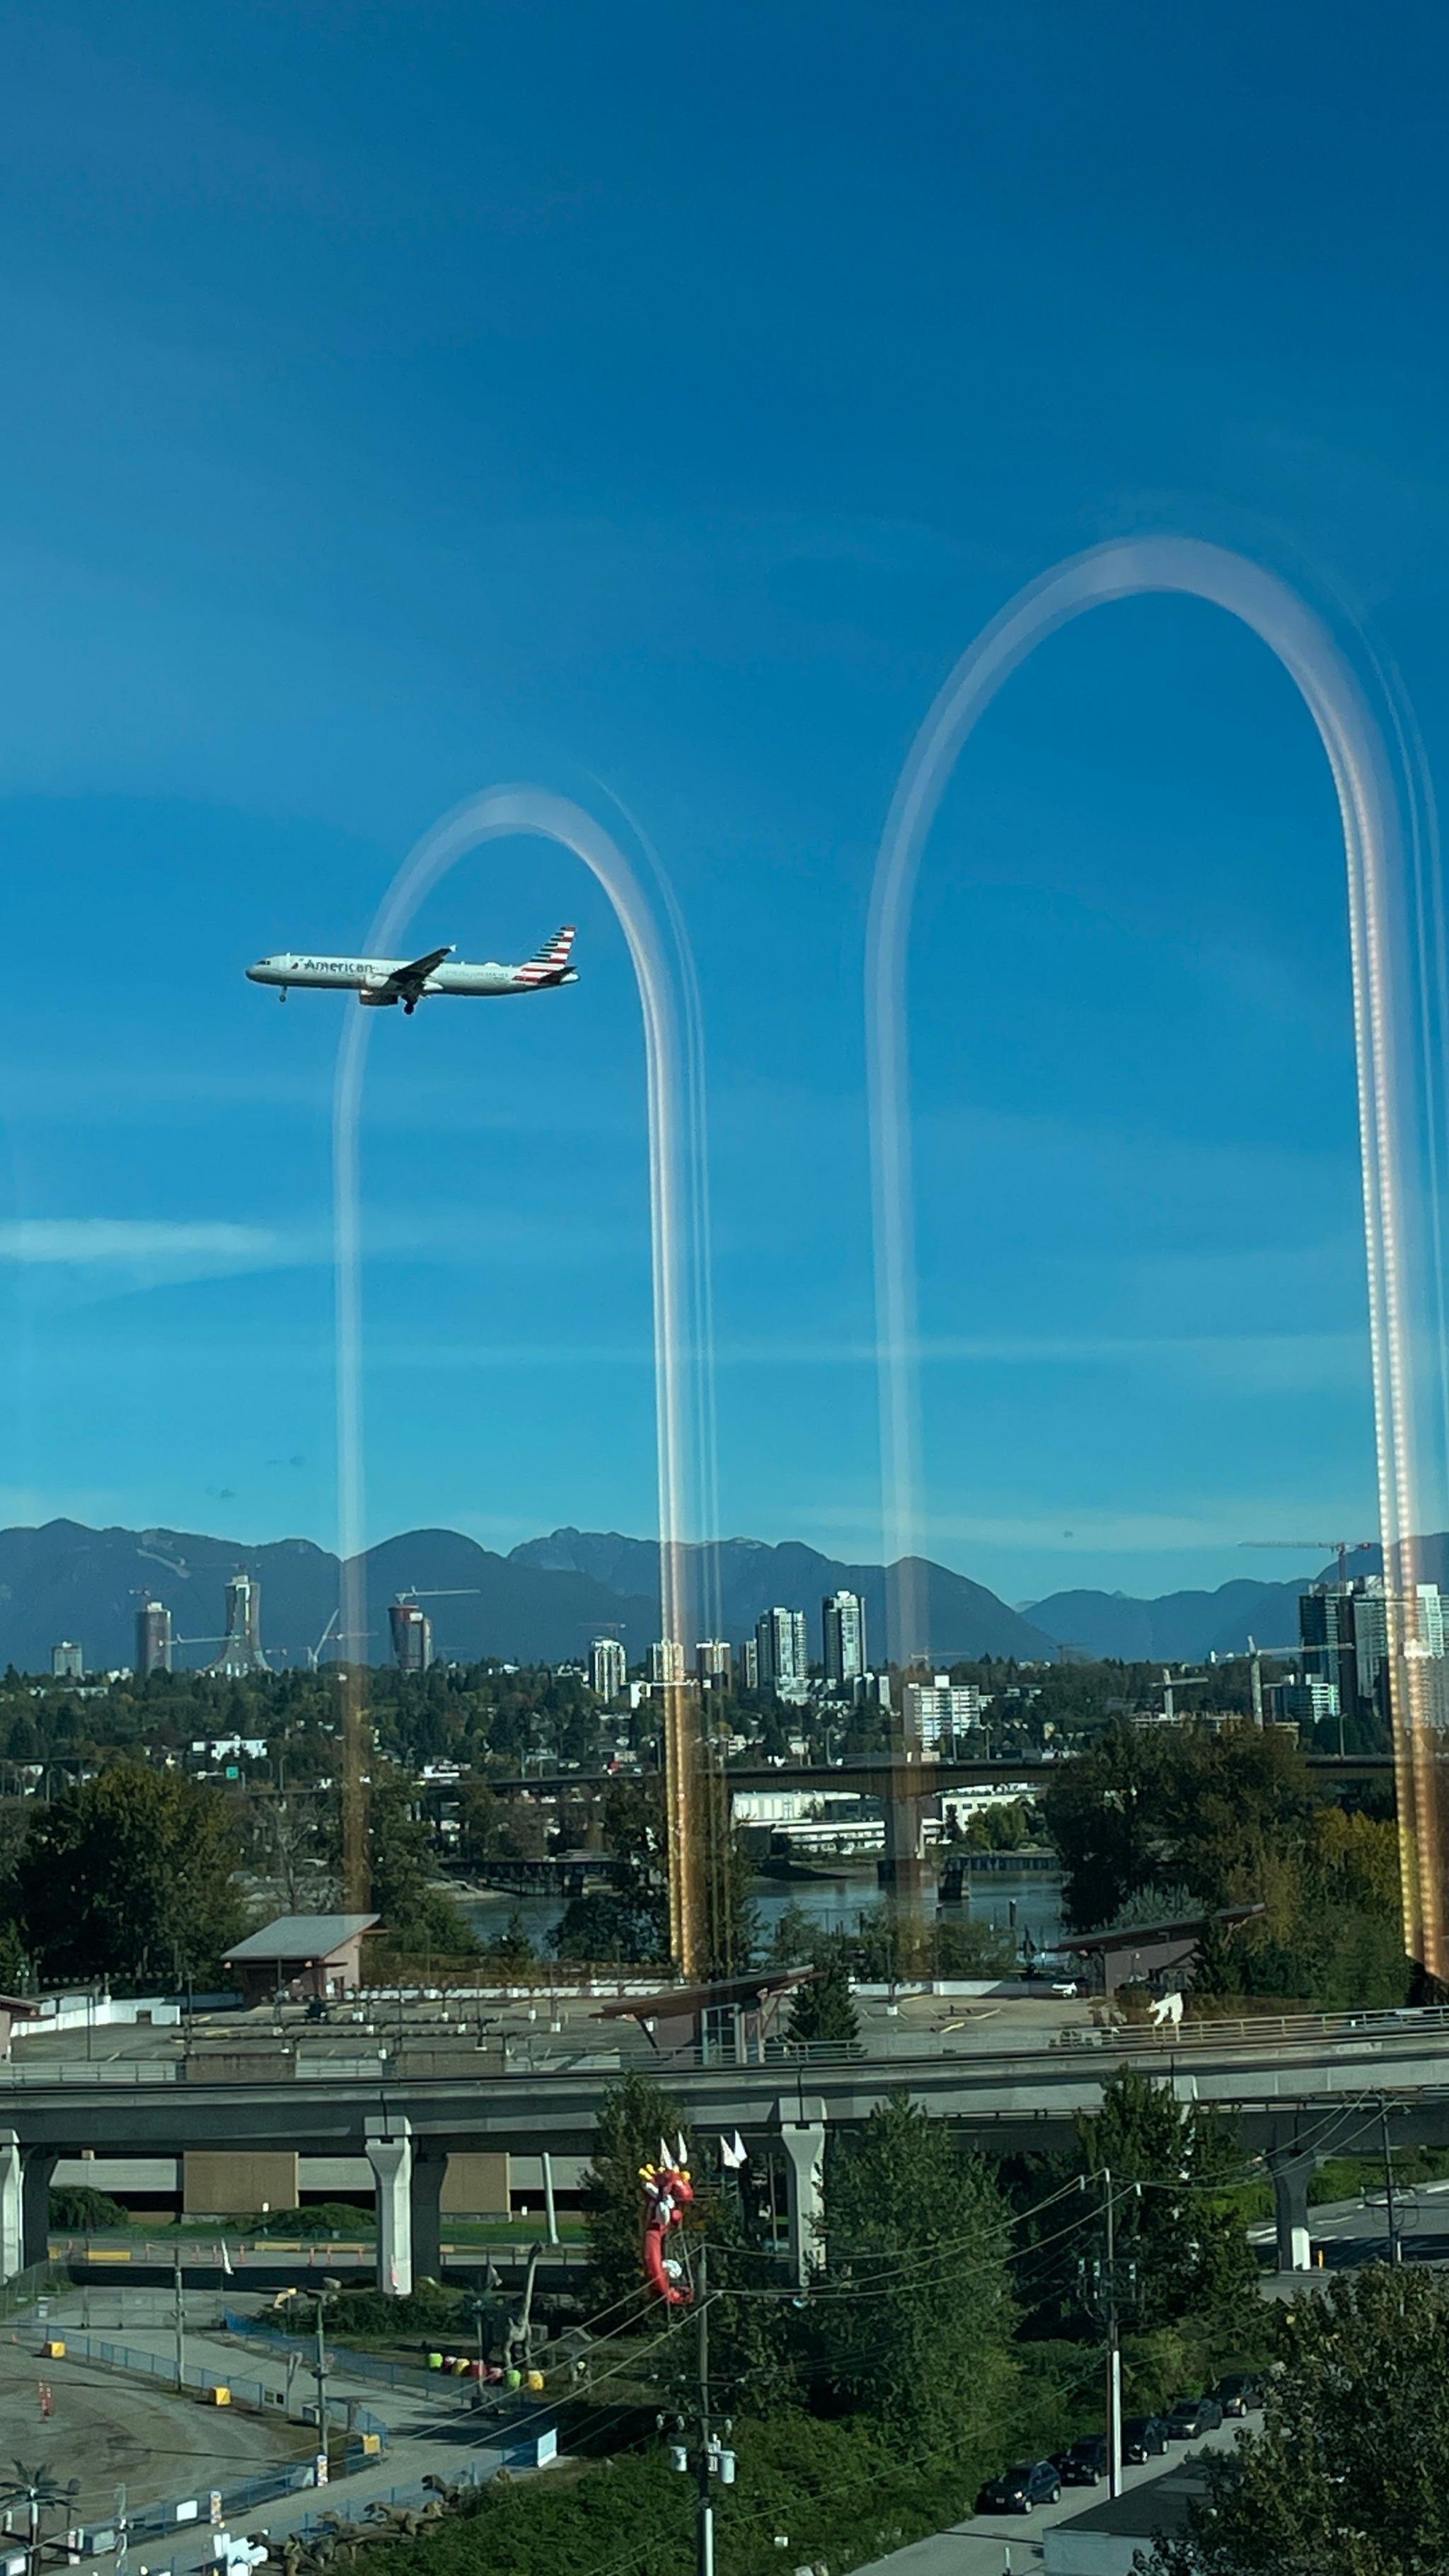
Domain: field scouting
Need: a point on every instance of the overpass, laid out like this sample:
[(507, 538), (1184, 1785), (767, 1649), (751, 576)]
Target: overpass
[(1301, 2089)]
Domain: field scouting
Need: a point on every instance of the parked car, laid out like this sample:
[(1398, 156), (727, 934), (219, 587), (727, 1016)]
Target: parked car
[(1239, 2394), (1030, 2483), (1191, 2417), (1085, 2464), (1144, 2437)]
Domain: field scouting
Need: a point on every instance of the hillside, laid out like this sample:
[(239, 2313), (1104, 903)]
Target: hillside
[(543, 1603), (737, 1579)]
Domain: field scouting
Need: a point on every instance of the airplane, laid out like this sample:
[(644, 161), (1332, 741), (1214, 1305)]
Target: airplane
[(381, 982)]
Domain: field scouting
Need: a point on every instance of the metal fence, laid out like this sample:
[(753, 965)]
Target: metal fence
[(20, 2292), (346, 2413), (413, 2380)]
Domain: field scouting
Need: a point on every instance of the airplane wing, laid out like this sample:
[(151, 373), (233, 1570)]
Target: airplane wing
[(412, 977)]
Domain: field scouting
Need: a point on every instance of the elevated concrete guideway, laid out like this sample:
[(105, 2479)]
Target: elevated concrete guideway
[(1300, 2092)]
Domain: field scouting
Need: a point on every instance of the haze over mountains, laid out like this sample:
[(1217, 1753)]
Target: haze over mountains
[(545, 1600)]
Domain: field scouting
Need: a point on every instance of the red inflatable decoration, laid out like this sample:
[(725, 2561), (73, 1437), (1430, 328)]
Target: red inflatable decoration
[(668, 2192)]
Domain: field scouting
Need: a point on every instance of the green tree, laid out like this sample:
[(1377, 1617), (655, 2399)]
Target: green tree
[(417, 1913), (608, 1926), (1172, 2166), (1350, 2473), (511, 1948), (1331, 1932), (131, 1876), (823, 2013), (1206, 1809), (633, 2116), (796, 1938), (915, 2310)]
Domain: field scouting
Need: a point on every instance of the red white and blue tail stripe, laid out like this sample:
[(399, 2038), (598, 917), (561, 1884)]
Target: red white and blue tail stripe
[(551, 964)]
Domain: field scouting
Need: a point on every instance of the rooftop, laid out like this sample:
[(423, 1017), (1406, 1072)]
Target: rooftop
[(302, 1936)]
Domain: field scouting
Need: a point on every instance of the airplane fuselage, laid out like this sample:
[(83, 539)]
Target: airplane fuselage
[(369, 975), (382, 981)]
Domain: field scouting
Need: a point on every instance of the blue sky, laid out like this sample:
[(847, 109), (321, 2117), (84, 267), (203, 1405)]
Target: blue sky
[(652, 403)]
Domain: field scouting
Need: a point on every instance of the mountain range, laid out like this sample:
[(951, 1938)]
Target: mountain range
[(547, 1598)]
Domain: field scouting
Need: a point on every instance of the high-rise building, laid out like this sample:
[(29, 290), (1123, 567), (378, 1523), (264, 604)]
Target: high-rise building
[(1345, 1631), (784, 1652), (1427, 1630), (67, 1662), (938, 1711), (1304, 1703), (412, 1636), (1369, 1610), (842, 1617), (153, 1639), (666, 1661), (242, 1652), (714, 1664), (750, 1664), (1326, 1628), (608, 1668)]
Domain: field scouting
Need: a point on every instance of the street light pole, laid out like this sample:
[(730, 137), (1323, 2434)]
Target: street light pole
[(180, 2320)]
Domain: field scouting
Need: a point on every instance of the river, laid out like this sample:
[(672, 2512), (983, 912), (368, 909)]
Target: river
[(835, 1903)]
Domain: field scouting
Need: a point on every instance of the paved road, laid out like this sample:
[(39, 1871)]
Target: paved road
[(991, 2543), (1356, 2231)]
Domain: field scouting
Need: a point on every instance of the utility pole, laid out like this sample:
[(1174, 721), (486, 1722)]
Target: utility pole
[(710, 2458), (704, 2552), (180, 2295), (319, 2372), (1114, 2354), (1101, 2293), (1390, 2207)]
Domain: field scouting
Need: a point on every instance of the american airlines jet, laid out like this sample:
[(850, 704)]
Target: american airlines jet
[(379, 982)]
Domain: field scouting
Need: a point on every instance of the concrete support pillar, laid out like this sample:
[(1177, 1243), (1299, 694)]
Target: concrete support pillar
[(802, 2134), (12, 2233), (36, 2177), (903, 1869), (425, 2194), (390, 2154), (1292, 2172)]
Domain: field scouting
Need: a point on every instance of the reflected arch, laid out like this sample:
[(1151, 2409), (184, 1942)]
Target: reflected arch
[(673, 1051), (1396, 1227)]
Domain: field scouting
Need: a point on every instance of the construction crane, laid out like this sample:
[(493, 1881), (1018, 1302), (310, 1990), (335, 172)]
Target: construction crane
[(1175, 1682), (314, 1653), (439, 1592), (1342, 1548), (1284, 1654)]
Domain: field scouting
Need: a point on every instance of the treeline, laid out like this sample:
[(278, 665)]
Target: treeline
[(474, 1714), (1153, 1823)]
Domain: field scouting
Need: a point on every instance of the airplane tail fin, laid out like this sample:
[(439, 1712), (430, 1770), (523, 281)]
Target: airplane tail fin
[(550, 964)]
